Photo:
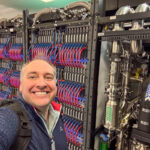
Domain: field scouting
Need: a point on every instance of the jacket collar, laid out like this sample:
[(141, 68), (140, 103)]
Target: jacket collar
[(55, 113), (30, 109), (56, 106)]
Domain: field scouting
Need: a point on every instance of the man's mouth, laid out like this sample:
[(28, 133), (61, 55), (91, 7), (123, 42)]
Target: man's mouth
[(41, 93)]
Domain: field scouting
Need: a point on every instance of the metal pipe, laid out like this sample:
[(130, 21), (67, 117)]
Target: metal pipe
[(126, 78), (42, 12), (78, 4), (111, 120)]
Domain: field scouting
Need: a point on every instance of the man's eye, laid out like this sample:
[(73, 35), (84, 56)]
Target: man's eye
[(32, 77), (49, 77)]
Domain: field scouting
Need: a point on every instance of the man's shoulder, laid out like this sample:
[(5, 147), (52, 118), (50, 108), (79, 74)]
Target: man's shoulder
[(8, 118), (9, 124), (15, 124), (11, 109), (7, 112)]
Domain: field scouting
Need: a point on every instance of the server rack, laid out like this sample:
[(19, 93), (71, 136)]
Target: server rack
[(11, 42), (77, 75), (125, 83), (71, 46), (97, 28)]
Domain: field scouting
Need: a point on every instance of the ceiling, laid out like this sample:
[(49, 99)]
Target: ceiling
[(11, 8)]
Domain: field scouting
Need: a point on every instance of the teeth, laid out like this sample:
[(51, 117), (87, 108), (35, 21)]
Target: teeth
[(40, 93)]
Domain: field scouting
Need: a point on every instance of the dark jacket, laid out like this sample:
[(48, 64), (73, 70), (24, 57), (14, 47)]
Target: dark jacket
[(40, 139)]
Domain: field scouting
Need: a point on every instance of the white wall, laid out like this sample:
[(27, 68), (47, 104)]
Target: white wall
[(6, 12)]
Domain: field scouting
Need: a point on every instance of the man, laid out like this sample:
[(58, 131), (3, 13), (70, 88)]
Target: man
[(38, 89)]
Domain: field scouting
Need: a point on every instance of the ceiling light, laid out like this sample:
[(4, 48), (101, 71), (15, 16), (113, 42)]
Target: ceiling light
[(47, 0)]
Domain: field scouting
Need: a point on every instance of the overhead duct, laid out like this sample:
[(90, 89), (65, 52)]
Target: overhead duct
[(78, 4), (74, 10), (77, 10), (50, 11)]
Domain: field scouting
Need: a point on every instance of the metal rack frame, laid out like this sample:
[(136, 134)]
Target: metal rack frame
[(91, 79), (125, 35)]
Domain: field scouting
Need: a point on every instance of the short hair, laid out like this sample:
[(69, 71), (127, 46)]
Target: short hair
[(37, 58)]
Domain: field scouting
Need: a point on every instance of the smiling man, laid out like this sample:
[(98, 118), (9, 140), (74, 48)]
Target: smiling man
[(38, 89), (38, 85)]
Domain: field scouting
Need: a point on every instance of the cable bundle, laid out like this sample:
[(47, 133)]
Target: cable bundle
[(15, 79), (2, 47), (9, 77), (69, 54), (15, 52), (73, 129), (3, 75), (147, 95), (54, 54), (2, 71), (41, 49), (4, 95), (71, 93)]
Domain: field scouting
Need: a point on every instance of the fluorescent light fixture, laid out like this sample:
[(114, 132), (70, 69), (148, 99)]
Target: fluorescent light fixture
[(47, 1)]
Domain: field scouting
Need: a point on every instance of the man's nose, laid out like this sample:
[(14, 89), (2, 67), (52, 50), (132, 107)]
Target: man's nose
[(41, 83), (41, 87)]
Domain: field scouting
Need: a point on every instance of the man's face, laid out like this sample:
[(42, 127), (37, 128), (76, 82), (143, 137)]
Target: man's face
[(38, 84)]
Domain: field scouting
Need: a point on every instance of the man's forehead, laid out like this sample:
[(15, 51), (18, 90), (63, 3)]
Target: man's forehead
[(37, 72), (38, 62), (37, 66)]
